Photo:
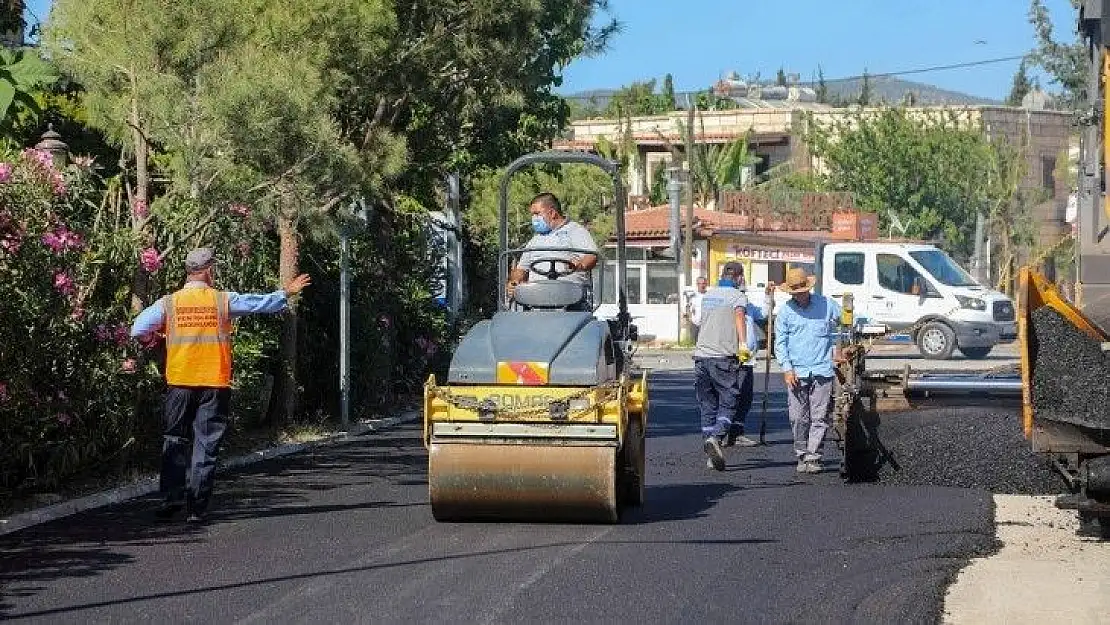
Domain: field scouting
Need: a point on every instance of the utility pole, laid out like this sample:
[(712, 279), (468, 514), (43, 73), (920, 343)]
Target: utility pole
[(674, 192), (688, 260), (358, 215), (977, 259), (344, 324)]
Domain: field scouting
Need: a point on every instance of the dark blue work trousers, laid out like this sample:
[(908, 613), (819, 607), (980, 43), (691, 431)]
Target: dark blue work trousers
[(717, 386), (194, 418)]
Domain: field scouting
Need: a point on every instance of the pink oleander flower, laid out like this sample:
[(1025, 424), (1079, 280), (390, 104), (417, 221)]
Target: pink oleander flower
[(103, 333), (150, 260), (122, 334), (52, 241), (40, 157), (240, 209), (140, 209), (6, 171), (12, 242), (4, 393), (63, 282), (84, 161), (58, 182), (77, 314), (62, 239), (128, 365), (64, 418)]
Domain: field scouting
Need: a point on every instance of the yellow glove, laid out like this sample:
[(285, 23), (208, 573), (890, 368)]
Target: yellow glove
[(744, 354)]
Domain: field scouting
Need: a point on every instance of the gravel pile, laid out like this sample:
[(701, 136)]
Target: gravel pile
[(965, 448), (1071, 376)]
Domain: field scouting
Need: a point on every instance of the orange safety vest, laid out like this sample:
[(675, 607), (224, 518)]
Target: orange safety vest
[(198, 338)]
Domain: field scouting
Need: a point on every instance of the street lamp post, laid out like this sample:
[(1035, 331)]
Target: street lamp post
[(674, 191), (52, 142), (358, 217)]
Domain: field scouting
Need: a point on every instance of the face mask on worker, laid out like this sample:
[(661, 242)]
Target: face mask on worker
[(540, 225)]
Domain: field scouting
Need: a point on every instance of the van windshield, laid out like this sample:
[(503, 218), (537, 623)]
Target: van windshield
[(943, 268)]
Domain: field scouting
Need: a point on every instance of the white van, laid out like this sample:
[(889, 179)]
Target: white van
[(918, 287)]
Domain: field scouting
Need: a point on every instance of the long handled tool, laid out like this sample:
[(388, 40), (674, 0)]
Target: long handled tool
[(767, 367)]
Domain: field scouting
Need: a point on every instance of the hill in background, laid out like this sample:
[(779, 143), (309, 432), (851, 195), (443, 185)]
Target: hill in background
[(887, 89)]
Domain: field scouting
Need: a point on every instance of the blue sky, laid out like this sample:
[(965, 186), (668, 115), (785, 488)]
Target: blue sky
[(699, 40)]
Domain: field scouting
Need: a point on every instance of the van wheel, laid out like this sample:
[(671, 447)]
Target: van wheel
[(975, 353), (936, 341)]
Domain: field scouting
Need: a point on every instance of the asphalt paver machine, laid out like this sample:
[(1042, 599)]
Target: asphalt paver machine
[(542, 416), (1065, 345), (1063, 385)]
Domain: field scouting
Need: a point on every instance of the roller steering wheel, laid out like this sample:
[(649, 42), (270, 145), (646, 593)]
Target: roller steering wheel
[(552, 273)]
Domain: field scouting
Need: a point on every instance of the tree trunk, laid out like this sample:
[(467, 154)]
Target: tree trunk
[(287, 270), (140, 285)]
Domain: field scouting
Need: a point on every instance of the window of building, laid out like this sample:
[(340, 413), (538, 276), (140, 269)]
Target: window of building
[(896, 274), (651, 278), (1048, 174), (662, 282), (848, 268)]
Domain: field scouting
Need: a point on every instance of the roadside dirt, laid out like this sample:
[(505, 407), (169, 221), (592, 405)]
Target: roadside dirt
[(1043, 573)]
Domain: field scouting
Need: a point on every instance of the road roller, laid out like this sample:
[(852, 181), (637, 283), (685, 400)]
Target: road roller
[(542, 416)]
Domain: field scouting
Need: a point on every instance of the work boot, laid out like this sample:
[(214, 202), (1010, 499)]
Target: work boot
[(712, 448), (801, 468), (742, 441), (812, 466)]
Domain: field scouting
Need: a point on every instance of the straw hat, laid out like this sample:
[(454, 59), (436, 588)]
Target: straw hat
[(797, 281)]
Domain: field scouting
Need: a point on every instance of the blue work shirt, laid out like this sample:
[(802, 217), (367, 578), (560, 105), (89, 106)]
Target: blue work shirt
[(153, 317), (805, 337), (753, 314)]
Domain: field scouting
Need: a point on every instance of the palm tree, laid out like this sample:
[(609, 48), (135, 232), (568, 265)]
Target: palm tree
[(713, 167)]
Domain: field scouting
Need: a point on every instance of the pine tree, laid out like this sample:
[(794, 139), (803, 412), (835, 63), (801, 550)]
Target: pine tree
[(822, 88), (865, 90), (1020, 87), (668, 91)]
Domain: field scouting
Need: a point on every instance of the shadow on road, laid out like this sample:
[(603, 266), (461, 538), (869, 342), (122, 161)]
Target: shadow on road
[(101, 540), (673, 408), (677, 502)]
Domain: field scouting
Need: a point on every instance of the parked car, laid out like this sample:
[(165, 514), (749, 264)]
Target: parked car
[(913, 288)]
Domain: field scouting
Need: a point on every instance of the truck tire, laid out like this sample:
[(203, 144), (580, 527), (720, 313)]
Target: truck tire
[(976, 353), (936, 341)]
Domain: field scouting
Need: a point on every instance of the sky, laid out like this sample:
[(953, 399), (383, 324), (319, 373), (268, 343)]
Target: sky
[(698, 41)]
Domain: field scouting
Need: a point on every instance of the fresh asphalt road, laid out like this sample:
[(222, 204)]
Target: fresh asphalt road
[(344, 535)]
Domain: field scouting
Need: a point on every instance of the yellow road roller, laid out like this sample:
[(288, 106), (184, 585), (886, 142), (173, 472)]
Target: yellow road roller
[(542, 417)]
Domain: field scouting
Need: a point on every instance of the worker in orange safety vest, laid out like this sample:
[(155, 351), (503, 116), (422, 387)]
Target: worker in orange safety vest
[(196, 323)]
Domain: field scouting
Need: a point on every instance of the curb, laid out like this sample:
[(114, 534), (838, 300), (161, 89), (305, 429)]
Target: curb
[(147, 485)]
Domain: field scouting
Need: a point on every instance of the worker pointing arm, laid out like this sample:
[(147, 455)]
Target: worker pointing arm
[(196, 322)]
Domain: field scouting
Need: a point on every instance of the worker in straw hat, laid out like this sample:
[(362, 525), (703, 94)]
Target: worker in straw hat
[(804, 345), (196, 322)]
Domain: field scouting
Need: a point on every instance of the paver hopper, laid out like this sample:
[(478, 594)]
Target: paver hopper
[(541, 417), (1065, 366)]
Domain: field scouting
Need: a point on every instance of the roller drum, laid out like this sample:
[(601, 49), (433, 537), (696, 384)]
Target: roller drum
[(522, 482)]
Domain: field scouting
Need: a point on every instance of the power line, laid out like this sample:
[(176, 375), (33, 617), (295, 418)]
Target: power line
[(933, 68)]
